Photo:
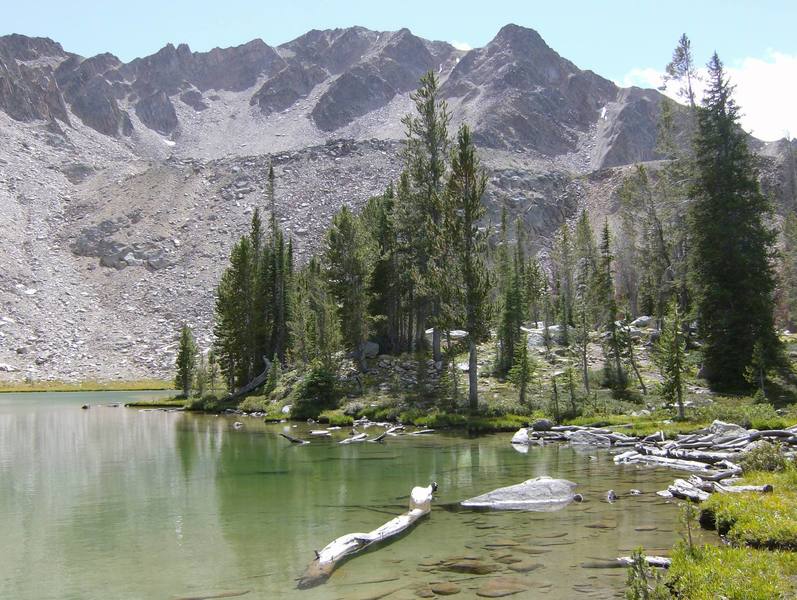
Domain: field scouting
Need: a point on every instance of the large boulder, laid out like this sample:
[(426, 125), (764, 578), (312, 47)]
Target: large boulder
[(587, 438), (726, 430), (643, 321), (542, 425), (538, 494), (371, 349), (521, 436)]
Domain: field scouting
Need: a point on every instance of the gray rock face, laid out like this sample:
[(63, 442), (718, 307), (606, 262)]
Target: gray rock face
[(539, 494)]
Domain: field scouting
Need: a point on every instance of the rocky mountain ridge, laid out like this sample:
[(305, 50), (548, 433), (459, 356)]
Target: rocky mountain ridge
[(124, 185)]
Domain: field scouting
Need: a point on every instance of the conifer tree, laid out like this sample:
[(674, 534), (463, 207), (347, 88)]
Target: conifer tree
[(732, 252), (233, 327), (186, 361), (426, 155), (614, 373), (463, 210), (511, 318), (347, 267), (522, 373), (314, 325), (682, 69), (563, 260), (670, 358), (213, 370), (534, 289), (788, 272)]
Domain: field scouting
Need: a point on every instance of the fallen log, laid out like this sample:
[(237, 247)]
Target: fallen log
[(673, 463), (249, 387), (360, 437), (684, 454), (293, 440), (735, 489), (686, 491), (328, 558)]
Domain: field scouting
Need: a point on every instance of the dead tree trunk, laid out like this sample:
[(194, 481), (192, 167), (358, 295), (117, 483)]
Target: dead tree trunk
[(328, 558)]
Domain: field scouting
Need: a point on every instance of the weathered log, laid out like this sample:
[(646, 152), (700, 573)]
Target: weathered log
[(684, 454), (359, 437), (686, 491), (328, 558), (293, 440), (673, 463), (422, 431), (652, 561), (735, 489)]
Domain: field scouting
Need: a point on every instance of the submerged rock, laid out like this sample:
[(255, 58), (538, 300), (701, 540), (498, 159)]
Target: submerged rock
[(502, 586), (538, 494)]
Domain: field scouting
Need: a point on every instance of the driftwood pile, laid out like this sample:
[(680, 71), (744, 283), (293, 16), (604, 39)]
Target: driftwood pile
[(712, 452), (711, 455)]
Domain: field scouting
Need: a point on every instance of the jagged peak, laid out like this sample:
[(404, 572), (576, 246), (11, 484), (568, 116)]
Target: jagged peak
[(24, 47), (519, 38)]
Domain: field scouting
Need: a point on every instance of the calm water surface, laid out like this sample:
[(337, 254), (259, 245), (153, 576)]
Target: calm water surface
[(119, 503)]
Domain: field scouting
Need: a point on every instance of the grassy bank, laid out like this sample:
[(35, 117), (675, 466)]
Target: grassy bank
[(86, 386), (733, 573), (758, 563), (175, 402)]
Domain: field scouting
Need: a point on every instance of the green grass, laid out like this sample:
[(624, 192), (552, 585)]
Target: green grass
[(86, 386), (640, 426), (712, 572), (471, 423), (758, 520), (175, 402), (335, 418)]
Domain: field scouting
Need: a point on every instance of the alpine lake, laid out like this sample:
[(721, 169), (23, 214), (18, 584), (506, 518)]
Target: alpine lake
[(124, 503)]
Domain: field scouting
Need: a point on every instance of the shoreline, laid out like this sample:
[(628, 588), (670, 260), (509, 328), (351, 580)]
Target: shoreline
[(89, 385)]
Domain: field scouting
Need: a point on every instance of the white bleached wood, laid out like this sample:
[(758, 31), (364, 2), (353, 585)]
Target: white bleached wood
[(327, 558)]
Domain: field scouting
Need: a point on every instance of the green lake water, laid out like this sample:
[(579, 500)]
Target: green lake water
[(118, 503)]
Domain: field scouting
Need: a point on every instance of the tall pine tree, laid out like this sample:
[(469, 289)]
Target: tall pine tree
[(732, 271), (463, 210)]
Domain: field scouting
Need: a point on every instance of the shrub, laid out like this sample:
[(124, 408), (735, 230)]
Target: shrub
[(255, 404), (316, 392), (749, 416), (335, 418), (765, 457)]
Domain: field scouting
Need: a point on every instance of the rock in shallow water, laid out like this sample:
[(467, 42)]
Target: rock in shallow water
[(501, 586), (538, 494)]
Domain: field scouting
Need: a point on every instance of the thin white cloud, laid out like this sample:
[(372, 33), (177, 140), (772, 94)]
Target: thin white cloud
[(464, 46), (766, 91)]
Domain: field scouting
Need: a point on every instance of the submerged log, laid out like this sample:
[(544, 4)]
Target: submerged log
[(293, 440), (328, 558), (359, 437)]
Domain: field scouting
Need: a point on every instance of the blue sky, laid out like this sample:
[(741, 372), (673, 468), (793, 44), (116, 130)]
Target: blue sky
[(623, 40)]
